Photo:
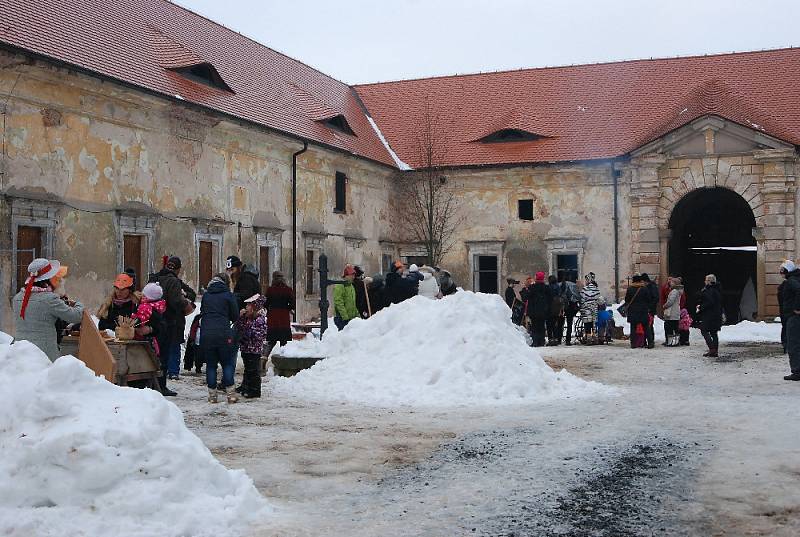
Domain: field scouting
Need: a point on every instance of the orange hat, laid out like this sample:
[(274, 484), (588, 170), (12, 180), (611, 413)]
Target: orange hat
[(123, 281), (398, 265)]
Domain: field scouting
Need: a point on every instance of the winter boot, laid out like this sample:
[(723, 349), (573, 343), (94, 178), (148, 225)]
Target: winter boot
[(162, 384), (793, 376), (712, 353), (263, 368), (212, 395), (233, 397)]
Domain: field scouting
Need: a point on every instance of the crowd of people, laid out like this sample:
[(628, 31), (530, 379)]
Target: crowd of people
[(235, 316), (363, 296), (549, 307)]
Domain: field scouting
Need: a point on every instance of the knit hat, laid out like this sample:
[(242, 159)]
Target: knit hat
[(123, 281), (349, 271), (413, 268), (232, 262), (153, 291), (397, 265), (788, 266), (540, 276), (252, 298), (39, 270), (172, 262)]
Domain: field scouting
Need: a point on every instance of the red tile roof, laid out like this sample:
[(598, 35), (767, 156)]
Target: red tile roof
[(586, 111), (139, 41)]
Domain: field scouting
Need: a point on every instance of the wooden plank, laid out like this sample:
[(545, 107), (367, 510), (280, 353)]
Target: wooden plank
[(94, 352)]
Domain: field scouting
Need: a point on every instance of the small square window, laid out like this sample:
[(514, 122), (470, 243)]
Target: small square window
[(341, 193), (525, 208)]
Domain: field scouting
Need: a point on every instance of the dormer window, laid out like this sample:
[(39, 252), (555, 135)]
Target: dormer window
[(510, 135), (339, 123), (204, 73)]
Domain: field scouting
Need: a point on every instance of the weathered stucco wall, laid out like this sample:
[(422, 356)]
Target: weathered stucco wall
[(95, 151), (573, 213)]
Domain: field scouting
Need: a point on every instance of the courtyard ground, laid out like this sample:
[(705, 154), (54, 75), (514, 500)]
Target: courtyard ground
[(688, 446)]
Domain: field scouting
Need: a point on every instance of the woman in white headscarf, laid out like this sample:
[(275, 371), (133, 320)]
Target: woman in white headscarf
[(38, 308)]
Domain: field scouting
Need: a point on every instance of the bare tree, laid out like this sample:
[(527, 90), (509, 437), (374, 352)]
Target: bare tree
[(426, 205)]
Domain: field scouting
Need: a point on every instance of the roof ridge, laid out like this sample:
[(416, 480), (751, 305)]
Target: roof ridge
[(574, 65)]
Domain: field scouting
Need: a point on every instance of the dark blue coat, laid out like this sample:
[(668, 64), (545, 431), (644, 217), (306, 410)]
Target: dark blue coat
[(219, 309), (397, 288)]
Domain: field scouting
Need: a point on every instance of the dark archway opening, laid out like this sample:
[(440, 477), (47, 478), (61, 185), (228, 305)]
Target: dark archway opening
[(712, 233)]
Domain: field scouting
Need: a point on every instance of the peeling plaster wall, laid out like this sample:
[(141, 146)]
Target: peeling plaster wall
[(570, 202), (97, 149)]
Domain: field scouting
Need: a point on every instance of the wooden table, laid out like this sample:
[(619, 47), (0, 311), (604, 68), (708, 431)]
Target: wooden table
[(131, 360)]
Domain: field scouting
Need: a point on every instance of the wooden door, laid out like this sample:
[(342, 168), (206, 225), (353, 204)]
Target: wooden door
[(206, 263), (133, 258), (28, 238), (263, 263)]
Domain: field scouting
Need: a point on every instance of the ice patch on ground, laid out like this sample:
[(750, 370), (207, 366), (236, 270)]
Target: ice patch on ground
[(461, 350), (81, 456)]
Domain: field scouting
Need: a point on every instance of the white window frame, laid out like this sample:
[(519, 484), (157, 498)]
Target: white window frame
[(215, 236), (316, 243), (143, 226), (486, 248), (271, 239), (31, 213), (565, 246)]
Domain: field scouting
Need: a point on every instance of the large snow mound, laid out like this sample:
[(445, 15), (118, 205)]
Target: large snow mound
[(461, 350), (81, 456)]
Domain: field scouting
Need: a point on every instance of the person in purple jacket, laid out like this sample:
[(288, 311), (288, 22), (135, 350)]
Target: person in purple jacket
[(252, 330)]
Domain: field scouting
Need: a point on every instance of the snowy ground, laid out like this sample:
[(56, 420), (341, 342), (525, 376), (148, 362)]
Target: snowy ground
[(691, 446)]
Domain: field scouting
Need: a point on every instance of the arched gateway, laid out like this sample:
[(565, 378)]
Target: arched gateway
[(712, 233), (716, 197)]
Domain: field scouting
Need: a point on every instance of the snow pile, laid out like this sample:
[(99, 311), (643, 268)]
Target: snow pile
[(80, 456), (741, 332), (749, 331), (461, 350)]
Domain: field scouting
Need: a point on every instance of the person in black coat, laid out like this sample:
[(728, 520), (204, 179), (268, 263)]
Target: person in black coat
[(653, 294), (790, 299), (397, 288), (539, 298), (638, 303), (710, 314), (244, 278), (375, 291), (180, 302), (217, 336), (364, 304), (787, 267)]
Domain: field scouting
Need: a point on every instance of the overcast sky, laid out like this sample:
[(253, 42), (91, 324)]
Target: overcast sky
[(377, 40)]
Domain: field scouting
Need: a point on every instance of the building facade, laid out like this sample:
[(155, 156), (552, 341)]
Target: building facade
[(192, 152)]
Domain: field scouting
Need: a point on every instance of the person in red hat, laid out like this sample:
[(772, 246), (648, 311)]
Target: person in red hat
[(38, 308), (344, 299)]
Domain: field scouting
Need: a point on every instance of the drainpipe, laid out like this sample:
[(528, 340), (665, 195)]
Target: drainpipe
[(294, 224), (615, 174)]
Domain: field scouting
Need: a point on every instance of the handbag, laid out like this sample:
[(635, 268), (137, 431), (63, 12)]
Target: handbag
[(623, 309)]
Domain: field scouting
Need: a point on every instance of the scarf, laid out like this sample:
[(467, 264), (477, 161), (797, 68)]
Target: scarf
[(29, 287)]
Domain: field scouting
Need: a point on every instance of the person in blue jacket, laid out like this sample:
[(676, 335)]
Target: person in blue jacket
[(217, 336)]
